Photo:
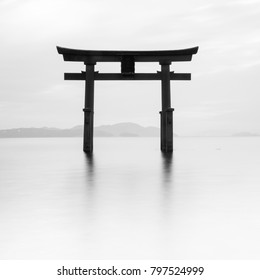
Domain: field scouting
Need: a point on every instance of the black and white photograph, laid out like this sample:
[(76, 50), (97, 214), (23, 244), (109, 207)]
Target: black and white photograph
[(129, 130)]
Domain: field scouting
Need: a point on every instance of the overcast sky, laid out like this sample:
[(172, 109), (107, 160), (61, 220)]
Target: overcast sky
[(222, 97)]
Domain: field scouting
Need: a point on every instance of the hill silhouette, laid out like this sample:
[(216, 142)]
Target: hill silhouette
[(115, 130)]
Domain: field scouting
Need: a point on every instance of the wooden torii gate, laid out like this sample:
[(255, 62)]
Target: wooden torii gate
[(127, 60)]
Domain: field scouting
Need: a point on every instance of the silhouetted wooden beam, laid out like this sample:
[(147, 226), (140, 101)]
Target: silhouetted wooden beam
[(180, 76), (188, 51), (74, 76), (92, 56), (140, 58), (133, 77)]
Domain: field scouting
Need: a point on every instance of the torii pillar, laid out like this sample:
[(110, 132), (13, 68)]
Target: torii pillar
[(89, 109), (127, 60), (166, 113)]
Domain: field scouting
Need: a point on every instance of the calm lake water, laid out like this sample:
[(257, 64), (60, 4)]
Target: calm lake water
[(128, 201)]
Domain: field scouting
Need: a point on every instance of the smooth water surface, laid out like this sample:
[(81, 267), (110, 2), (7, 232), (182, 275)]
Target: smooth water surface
[(128, 201)]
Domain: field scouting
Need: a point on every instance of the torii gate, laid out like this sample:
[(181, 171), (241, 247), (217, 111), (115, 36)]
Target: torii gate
[(127, 60)]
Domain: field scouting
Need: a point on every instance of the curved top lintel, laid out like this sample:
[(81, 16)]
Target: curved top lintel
[(69, 51)]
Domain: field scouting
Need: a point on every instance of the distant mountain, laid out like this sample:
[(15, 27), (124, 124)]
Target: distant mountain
[(40, 132), (127, 130), (116, 130), (245, 134)]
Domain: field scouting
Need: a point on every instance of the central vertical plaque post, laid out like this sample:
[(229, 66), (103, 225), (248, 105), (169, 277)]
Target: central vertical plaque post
[(89, 109), (166, 113)]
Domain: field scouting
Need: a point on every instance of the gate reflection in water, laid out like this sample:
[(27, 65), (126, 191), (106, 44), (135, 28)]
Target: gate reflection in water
[(129, 201)]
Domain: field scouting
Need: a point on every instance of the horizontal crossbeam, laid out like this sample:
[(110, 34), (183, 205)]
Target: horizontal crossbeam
[(124, 77)]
